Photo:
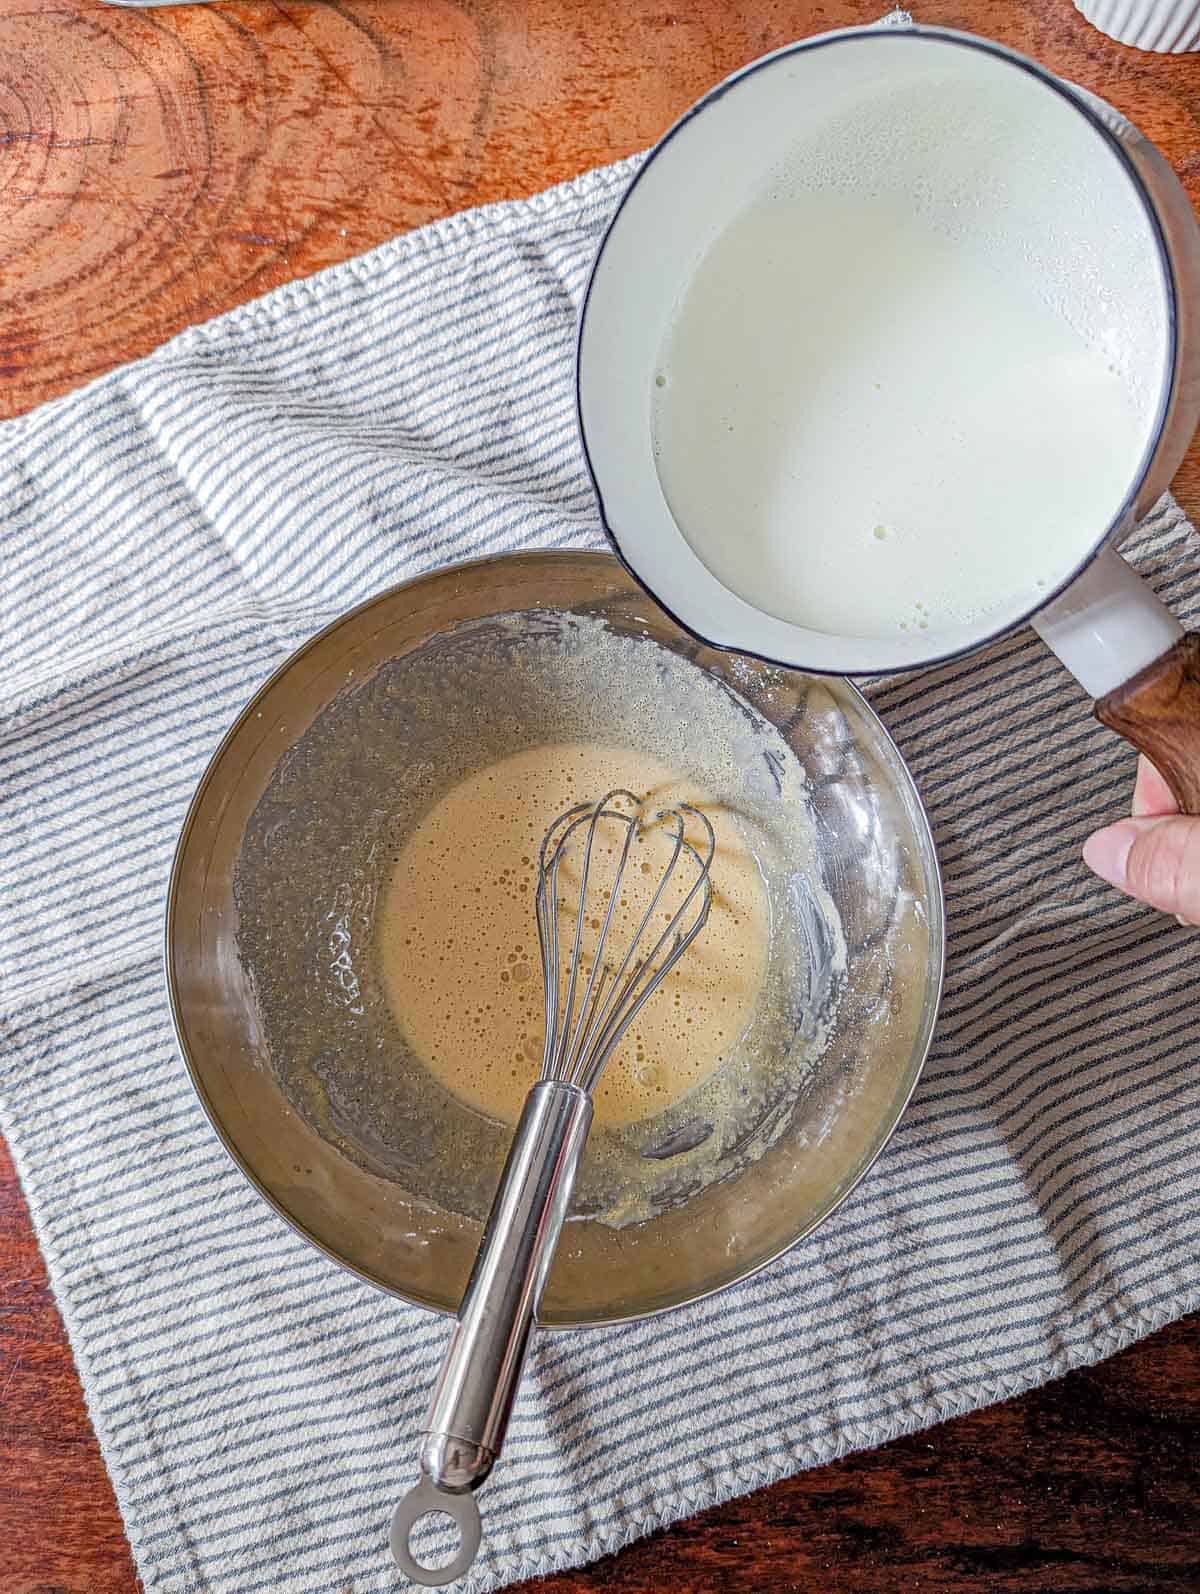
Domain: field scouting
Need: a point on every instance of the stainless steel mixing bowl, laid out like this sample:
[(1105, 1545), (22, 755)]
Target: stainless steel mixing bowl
[(876, 860)]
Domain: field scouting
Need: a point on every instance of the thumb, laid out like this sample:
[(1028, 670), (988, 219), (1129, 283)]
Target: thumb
[(1155, 860)]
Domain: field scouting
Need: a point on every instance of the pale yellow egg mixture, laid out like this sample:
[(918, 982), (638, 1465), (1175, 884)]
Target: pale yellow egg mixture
[(458, 946)]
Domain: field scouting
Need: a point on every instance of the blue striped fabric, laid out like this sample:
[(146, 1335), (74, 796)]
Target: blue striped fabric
[(170, 533)]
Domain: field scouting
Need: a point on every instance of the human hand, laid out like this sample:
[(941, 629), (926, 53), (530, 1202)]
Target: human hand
[(1155, 856)]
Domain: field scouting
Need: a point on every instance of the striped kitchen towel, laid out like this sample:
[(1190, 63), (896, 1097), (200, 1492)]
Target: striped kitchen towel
[(170, 533)]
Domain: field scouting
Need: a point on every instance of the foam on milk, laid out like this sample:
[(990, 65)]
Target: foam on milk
[(882, 407)]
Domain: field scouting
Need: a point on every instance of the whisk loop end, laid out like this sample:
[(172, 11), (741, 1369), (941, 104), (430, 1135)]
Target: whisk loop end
[(581, 1037)]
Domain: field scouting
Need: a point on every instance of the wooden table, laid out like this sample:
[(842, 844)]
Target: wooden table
[(158, 167)]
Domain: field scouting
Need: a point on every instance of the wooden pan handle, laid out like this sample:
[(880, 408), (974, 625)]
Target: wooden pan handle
[(1159, 712)]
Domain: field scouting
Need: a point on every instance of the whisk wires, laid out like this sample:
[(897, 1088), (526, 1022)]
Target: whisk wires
[(585, 1026)]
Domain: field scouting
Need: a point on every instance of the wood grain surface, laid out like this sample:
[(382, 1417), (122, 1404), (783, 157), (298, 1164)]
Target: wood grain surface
[(158, 167)]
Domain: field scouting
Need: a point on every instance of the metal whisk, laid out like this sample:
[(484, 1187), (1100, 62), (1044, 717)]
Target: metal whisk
[(578, 1046), (593, 995)]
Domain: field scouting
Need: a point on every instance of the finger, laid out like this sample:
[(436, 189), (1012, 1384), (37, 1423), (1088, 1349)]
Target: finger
[(1151, 794), (1155, 860)]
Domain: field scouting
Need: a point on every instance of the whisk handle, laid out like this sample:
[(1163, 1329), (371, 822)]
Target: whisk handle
[(482, 1368), (483, 1363)]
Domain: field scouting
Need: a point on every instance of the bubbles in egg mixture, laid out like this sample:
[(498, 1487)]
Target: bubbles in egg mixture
[(458, 947)]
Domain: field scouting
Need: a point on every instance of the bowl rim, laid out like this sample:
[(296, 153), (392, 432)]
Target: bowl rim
[(935, 909)]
